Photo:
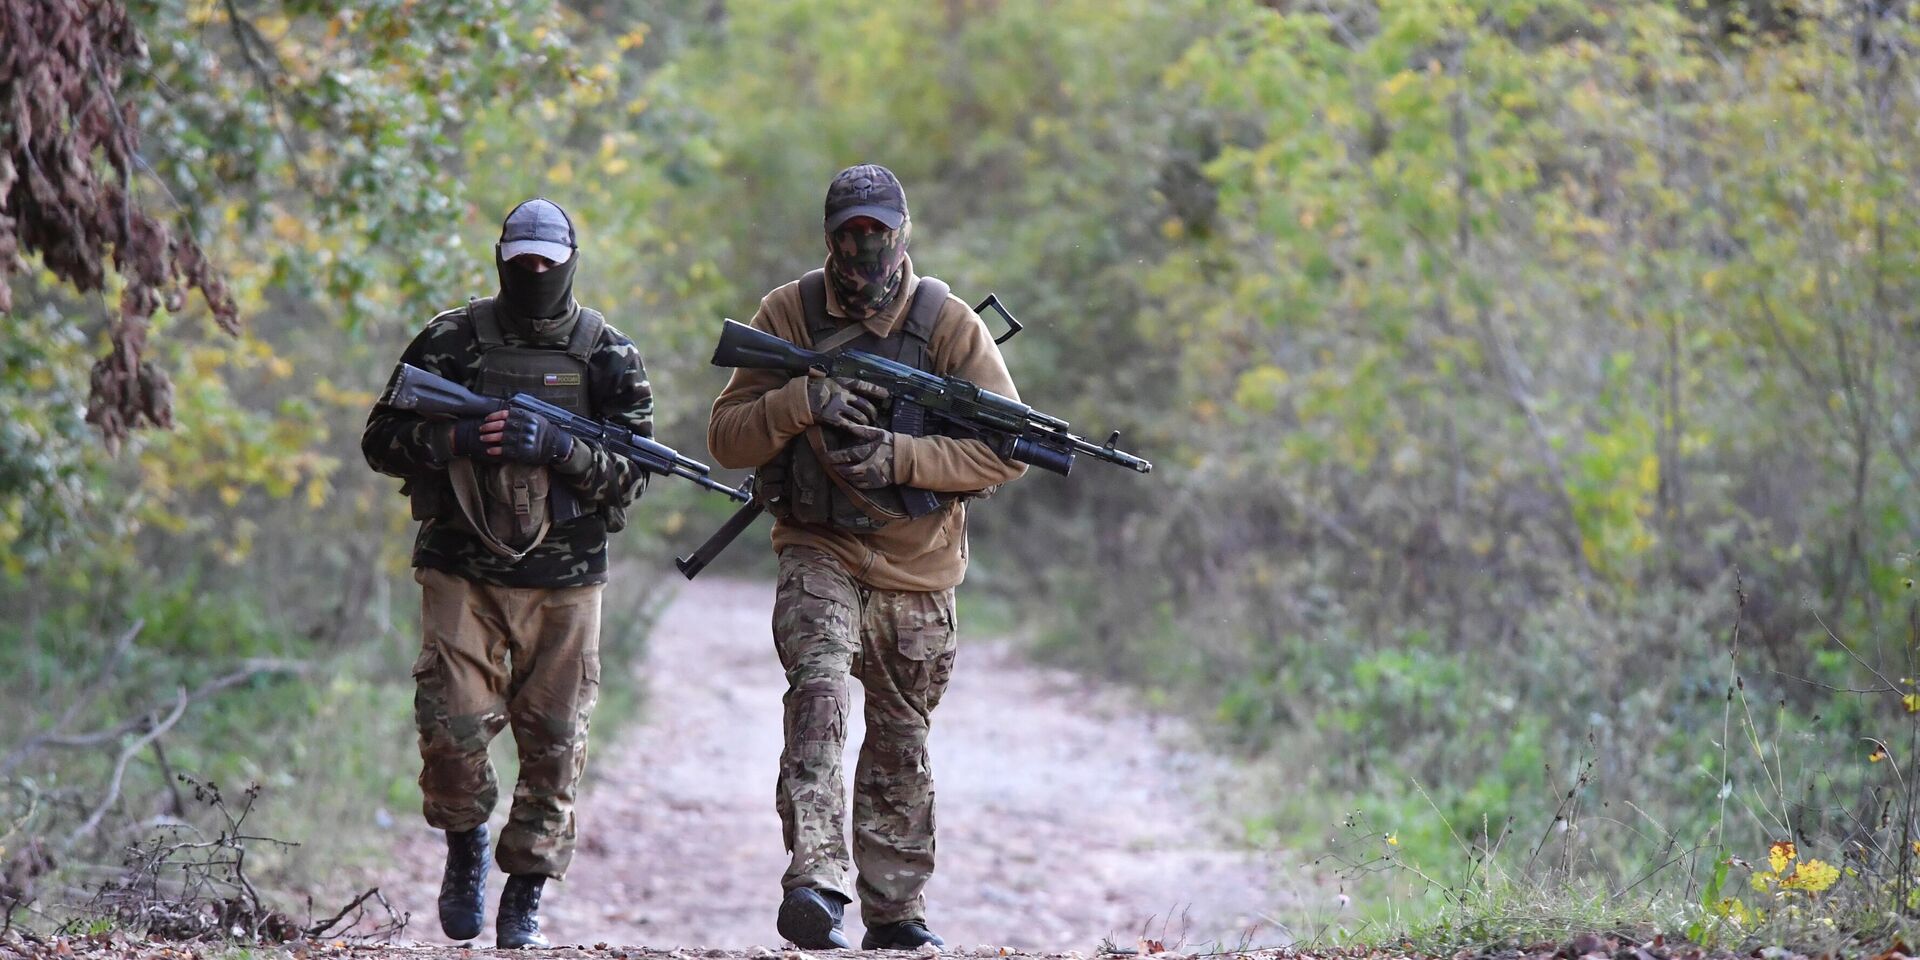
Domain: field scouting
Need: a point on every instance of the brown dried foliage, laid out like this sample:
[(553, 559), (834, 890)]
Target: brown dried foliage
[(68, 152)]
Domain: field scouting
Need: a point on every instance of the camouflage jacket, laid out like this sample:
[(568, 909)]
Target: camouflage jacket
[(574, 553)]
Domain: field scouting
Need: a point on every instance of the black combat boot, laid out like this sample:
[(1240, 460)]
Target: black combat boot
[(463, 888), (905, 935), (517, 925), (811, 919)]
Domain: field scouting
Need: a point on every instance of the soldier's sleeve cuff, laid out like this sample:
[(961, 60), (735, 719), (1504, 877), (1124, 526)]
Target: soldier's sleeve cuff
[(439, 443), (788, 412), (904, 449), (577, 462)]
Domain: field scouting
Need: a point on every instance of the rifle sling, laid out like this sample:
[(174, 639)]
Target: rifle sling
[(466, 485), (840, 338), (818, 441)]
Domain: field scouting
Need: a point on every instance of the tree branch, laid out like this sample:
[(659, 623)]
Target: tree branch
[(241, 27), (248, 670), (120, 768), (81, 702)]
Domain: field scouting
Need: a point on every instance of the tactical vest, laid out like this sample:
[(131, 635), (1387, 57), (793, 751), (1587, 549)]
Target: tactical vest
[(511, 506), (797, 485)]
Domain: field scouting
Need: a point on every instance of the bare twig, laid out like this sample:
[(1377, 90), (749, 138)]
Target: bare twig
[(248, 670), (1725, 787), (241, 27), (120, 768), (86, 698), (127, 146), (326, 926), (1857, 658), (179, 803), (1831, 688)]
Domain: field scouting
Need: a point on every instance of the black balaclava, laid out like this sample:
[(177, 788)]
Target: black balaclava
[(539, 305)]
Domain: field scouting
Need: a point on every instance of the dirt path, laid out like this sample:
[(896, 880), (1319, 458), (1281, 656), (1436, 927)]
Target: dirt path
[(1066, 816)]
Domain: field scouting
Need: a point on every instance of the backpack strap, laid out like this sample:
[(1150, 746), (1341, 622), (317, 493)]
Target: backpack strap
[(813, 303), (924, 313), (586, 334), (916, 328)]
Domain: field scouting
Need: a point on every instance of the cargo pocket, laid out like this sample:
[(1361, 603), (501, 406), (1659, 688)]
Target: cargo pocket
[(589, 693), (812, 606), (926, 628), (432, 716), (926, 638), (425, 665)]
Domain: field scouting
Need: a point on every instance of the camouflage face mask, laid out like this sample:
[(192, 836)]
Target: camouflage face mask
[(867, 268)]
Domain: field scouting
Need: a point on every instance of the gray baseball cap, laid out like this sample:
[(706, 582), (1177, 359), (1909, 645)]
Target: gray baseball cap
[(539, 227), (866, 190)]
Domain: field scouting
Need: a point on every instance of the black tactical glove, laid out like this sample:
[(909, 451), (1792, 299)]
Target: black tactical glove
[(867, 465), (843, 402), (532, 438), (461, 439)]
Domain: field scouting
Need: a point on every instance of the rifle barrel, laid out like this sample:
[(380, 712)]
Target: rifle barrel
[(1113, 455)]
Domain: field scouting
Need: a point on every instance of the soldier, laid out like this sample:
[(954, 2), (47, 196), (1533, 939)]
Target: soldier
[(864, 590), (511, 558)]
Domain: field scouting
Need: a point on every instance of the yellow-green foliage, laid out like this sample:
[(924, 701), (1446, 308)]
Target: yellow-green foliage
[(1478, 343)]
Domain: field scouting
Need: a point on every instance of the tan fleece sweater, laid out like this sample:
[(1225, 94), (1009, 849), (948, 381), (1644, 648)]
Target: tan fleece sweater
[(760, 411)]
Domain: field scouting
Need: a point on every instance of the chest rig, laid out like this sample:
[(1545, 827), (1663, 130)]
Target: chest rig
[(798, 484), (511, 506)]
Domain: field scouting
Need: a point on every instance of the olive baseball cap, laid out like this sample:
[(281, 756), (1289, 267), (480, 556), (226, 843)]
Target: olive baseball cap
[(539, 227), (866, 190)]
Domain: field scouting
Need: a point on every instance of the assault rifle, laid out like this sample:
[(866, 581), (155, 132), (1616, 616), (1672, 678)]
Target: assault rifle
[(1013, 429), (438, 398)]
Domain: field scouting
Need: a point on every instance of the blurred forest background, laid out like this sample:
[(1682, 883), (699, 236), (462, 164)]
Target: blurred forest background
[(1532, 385)]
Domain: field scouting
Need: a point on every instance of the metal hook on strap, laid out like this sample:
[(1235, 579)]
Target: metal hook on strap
[(992, 302)]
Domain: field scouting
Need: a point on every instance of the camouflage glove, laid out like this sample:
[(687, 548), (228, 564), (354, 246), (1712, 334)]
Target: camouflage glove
[(532, 438), (844, 402), (867, 465)]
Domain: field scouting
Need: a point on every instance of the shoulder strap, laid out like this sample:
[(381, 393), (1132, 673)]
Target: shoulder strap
[(813, 311), (586, 334), (486, 325), (924, 313), (813, 301)]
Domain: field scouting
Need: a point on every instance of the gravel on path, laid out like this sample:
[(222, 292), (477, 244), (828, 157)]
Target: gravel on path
[(1068, 814)]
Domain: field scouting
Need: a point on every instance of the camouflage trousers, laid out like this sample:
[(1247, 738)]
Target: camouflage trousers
[(900, 645), (493, 656)]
